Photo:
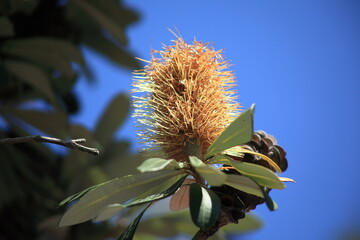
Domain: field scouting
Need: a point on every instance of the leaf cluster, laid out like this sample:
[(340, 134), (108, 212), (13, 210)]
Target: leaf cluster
[(160, 178), (41, 59)]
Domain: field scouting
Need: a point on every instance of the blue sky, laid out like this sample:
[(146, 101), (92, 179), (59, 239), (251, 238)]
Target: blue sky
[(299, 61)]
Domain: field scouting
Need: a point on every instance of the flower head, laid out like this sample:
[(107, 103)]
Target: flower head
[(188, 98)]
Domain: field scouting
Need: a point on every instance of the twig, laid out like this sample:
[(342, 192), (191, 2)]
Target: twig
[(200, 235), (73, 144)]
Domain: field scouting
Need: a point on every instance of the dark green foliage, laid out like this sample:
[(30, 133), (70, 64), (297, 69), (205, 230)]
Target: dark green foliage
[(129, 232), (204, 206), (40, 62)]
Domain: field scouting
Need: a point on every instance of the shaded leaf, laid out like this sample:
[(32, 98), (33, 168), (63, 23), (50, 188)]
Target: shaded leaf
[(180, 200), (157, 196), (45, 59), (114, 166), (238, 132), (149, 196), (8, 7), (120, 15), (270, 203), (51, 46), (108, 211), (204, 206), (54, 124), (156, 164), (32, 75), (244, 184), (102, 19), (212, 175), (114, 115), (158, 188), (128, 234), (6, 27), (261, 175), (109, 49), (113, 191)]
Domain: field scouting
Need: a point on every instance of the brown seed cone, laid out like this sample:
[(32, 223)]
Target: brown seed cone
[(235, 202), (266, 144)]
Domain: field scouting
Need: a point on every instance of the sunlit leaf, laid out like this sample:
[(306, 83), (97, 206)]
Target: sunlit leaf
[(285, 179), (261, 175), (244, 184), (180, 200), (113, 116), (6, 27), (156, 164), (128, 234), (33, 76), (264, 157), (204, 206), (212, 175), (114, 191), (238, 132)]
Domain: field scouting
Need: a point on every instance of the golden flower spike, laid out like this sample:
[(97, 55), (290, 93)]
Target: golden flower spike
[(187, 99)]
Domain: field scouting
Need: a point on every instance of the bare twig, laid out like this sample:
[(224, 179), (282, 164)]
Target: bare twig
[(69, 143)]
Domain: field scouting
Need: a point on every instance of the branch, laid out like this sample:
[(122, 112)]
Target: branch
[(73, 144)]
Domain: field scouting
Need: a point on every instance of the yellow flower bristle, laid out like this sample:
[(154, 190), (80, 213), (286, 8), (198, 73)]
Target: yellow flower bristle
[(187, 98)]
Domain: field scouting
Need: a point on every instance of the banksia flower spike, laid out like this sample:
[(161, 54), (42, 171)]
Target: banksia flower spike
[(205, 154), (188, 99)]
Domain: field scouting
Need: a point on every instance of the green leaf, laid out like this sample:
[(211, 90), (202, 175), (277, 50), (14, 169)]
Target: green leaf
[(270, 203), (156, 164), (76, 196), (102, 19), (114, 191), (111, 50), (49, 45), (155, 194), (114, 115), (212, 175), (244, 184), (108, 212), (6, 27), (238, 132), (204, 206), (128, 234), (261, 175), (32, 75), (54, 124)]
